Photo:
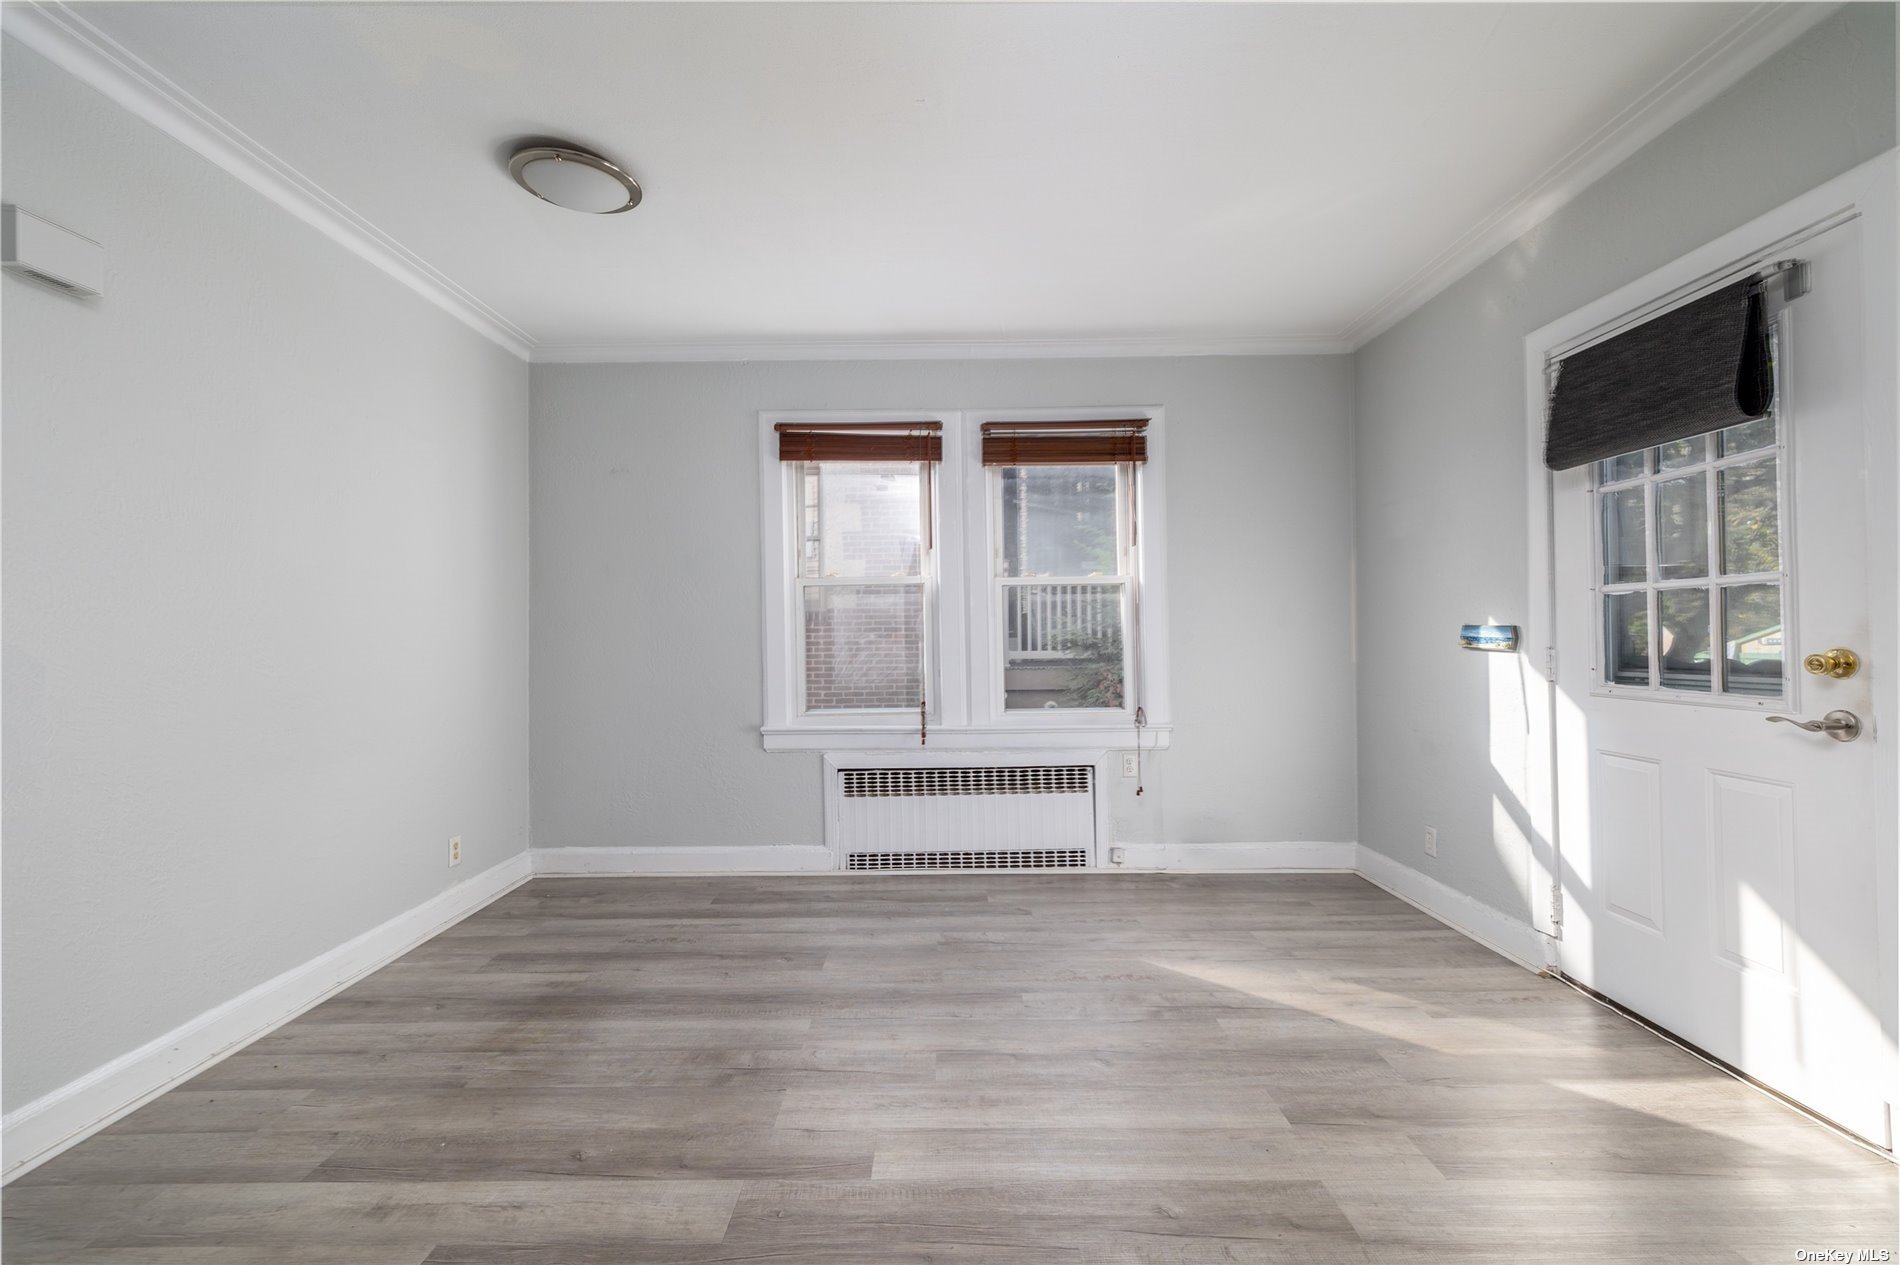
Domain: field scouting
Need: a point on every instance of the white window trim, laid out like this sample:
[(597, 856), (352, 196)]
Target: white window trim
[(1149, 656), (966, 712)]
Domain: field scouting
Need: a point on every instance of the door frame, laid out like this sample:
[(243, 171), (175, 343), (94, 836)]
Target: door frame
[(1867, 192)]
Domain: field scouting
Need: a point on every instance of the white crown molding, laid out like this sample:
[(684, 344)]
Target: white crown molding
[(1759, 34), (973, 349), (66, 39), (75, 1111)]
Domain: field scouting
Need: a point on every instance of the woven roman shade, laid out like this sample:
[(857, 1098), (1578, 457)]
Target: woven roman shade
[(1694, 369), (1065, 443), (860, 441)]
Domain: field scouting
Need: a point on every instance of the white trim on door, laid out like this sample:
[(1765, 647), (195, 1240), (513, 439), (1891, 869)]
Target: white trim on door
[(1866, 192)]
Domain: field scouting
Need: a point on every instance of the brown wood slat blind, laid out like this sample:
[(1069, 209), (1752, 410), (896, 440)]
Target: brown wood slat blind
[(1065, 443), (860, 441)]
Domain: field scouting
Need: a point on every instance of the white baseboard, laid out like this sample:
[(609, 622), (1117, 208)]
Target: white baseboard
[(1217, 858), (766, 858), (1511, 937), (48, 1125)]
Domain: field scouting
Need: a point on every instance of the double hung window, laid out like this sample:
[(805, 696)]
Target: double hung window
[(962, 580), (1062, 500), (862, 504)]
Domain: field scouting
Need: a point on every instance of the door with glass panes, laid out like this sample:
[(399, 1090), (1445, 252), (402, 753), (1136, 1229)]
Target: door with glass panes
[(1719, 863)]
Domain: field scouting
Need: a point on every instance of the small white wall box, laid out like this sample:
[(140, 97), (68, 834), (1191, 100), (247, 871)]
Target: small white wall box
[(46, 252)]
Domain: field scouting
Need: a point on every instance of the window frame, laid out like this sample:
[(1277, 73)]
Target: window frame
[(1127, 577), (964, 616), (1714, 583), (929, 516)]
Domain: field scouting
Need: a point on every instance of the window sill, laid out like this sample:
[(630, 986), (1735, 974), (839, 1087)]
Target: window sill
[(1118, 736)]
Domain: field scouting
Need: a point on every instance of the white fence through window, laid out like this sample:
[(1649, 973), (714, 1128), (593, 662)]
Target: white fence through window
[(1053, 621)]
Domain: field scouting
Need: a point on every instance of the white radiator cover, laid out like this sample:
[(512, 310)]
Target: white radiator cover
[(963, 817)]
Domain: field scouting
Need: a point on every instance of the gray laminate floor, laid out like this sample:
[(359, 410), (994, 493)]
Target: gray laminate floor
[(883, 1069)]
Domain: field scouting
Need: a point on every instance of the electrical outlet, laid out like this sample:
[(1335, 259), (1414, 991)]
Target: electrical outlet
[(1117, 856), (455, 850), (1431, 841), (1130, 764)]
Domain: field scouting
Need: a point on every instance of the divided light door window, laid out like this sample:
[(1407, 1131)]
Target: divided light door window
[(1694, 577)]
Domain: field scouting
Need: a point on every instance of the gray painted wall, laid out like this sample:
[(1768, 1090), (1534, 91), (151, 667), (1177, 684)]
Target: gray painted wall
[(647, 663), (265, 564), (1441, 434)]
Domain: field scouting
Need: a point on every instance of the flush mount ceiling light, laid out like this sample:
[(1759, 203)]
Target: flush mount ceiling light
[(575, 179)]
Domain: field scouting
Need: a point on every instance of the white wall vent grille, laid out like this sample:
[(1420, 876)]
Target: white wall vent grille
[(1023, 859), (1007, 780), (971, 817)]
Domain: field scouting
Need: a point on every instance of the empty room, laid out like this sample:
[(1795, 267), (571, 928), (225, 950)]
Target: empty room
[(977, 634)]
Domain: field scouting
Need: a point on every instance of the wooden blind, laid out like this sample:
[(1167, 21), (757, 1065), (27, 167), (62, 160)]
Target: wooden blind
[(1700, 367), (1065, 443), (860, 441)]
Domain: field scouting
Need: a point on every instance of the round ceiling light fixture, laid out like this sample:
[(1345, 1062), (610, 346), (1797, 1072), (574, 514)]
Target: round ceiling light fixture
[(574, 178)]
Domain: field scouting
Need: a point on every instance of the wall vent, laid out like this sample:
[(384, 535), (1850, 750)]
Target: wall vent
[(973, 817), (44, 252), (1021, 859), (1007, 780)]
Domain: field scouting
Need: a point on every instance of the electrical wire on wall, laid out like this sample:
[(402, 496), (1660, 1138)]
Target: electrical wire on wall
[(1141, 723)]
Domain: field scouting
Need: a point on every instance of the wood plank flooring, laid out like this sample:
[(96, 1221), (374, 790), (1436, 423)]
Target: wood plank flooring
[(1012, 1069)]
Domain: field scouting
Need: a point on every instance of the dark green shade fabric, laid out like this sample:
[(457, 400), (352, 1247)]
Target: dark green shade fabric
[(1698, 368)]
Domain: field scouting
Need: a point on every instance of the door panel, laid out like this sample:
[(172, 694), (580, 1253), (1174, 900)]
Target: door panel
[(1751, 832), (1629, 806)]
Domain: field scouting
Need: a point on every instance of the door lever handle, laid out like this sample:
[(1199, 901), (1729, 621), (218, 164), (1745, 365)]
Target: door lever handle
[(1839, 724)]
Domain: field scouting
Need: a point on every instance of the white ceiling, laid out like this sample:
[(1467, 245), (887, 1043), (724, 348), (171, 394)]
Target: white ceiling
[(943, 173)]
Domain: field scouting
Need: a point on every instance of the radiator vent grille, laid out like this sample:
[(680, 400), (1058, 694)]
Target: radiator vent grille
[(1022, 859), (1009, 780)]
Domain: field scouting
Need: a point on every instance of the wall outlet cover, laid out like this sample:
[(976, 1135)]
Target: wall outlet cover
[(1431, 841), (455, 850)]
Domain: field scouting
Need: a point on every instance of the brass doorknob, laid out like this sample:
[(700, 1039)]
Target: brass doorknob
[(1838, 663)]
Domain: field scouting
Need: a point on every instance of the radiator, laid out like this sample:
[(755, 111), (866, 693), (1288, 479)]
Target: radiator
[(1011, 817)]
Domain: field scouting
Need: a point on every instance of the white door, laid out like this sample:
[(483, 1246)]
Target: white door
[(1719, 864)]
